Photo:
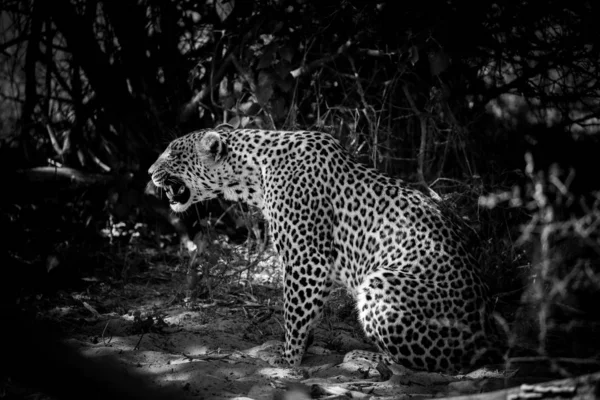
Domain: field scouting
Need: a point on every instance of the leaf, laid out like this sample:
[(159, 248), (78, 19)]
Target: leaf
[(235, 122), (52, 262), (245, 106), (268, 56), (438, 62), (264, 91), (252, 109), (227, 102), (224, 87), (277, 27), (413, 54), (279, 107), (286, 53), (224, 8), (282, 70), (285, 84), (284, 79), (238, 87)]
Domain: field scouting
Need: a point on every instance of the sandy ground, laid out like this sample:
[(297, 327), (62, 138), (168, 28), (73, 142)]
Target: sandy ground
[(218, 346)]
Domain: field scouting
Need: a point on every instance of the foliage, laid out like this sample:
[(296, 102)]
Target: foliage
[(99, 85), (563, 285)]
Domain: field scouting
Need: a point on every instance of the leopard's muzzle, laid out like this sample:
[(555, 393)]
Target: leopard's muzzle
[(176, 190)]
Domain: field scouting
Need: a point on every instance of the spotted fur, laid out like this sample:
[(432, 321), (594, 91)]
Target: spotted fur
[(419, 294)]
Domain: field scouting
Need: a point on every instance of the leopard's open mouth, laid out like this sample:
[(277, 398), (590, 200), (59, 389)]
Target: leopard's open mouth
[(177, 192)]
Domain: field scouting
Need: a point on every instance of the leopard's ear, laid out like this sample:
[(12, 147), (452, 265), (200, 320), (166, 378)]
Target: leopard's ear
[(212, 147)]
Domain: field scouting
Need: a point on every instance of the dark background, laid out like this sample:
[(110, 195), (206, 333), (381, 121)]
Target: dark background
[(494, 105)]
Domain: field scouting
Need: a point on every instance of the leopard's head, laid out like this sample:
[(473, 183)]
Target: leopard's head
[(192, 168)]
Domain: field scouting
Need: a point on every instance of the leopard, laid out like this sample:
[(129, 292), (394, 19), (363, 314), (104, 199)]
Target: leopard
[(406, 259)]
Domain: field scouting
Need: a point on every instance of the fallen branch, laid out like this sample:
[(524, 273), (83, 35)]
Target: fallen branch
[(62, 175), (580, 388)]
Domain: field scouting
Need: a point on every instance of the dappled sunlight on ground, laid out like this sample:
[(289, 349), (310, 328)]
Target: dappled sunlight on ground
[(220, 346)]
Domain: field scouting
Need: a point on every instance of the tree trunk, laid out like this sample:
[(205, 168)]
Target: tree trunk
[(138, 126), (31, 59)]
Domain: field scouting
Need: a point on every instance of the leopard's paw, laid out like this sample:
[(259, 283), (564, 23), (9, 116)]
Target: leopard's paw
[(368, 357)]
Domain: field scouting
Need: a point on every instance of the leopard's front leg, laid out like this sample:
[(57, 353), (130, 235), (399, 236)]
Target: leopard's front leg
[(302, 235), (306, 288)]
